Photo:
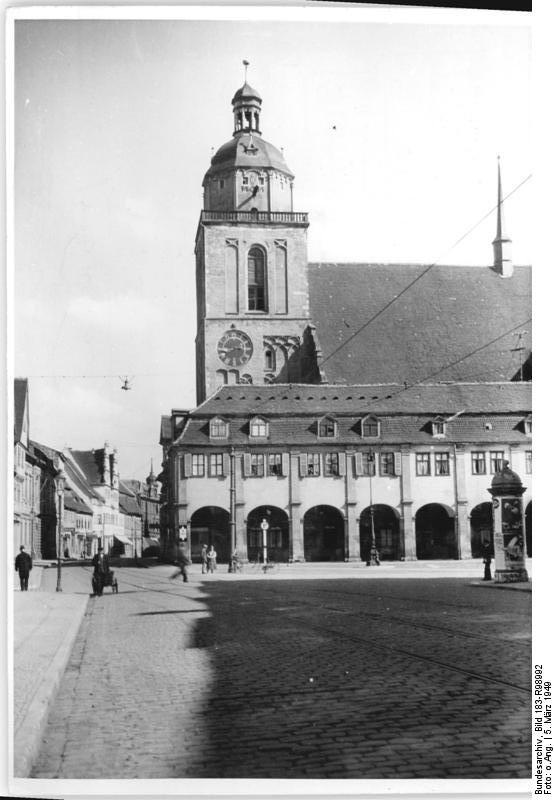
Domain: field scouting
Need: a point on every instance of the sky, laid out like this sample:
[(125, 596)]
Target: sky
[(392, 131)]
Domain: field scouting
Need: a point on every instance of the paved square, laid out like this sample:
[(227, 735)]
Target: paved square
[(357, 676)]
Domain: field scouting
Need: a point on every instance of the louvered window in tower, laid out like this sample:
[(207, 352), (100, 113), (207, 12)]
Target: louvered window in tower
[(257, 280)]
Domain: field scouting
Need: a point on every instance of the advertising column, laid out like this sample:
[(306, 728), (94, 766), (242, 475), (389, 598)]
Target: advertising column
[(508, 527)]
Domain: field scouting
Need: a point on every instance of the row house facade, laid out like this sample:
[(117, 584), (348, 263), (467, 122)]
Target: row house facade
[(148, 497), (26, 477), (329, 467)]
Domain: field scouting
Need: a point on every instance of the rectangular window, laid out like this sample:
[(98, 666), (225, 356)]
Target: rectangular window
[(216, 465), (197, 465), (331, 463), (442, 464), (528, 462), (275, 464), (423, 463), (218, 429), (257, 465), (386, 464), (478, 466), (368, 464), (258, 427), (497, 461), (312, 466), (327, 428)]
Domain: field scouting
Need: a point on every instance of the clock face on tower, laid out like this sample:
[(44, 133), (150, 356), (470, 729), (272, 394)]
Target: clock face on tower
[(234, 348)]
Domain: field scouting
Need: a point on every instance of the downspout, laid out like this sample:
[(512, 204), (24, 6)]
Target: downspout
[(456, 520)]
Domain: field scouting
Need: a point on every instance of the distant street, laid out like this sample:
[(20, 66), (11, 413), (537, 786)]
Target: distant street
[(353, 676)]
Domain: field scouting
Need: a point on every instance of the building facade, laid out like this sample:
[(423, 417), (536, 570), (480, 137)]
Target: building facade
[(26, 510), (327, 465), (342, 403)]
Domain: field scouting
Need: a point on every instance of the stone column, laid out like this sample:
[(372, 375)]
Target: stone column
[(352, 530), (240, 522), (407, 527), (463, 523), (296, 535)]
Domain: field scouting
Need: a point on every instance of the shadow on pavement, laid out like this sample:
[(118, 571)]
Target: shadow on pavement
[(307, 685)]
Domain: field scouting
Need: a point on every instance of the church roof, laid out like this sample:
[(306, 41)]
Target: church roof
[(247, 151), (429, 333), (425, 398)]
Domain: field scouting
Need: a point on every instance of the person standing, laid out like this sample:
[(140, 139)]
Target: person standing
[(23, 565), (101, 567), (212, 559), (204, 557)]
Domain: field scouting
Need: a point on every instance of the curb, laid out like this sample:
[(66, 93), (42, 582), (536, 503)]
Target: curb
[(27, 738), (514, 587)]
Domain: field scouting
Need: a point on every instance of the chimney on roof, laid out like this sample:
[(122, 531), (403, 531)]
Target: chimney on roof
[(502, 245)]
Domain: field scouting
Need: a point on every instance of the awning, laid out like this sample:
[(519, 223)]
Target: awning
[(122, 538)]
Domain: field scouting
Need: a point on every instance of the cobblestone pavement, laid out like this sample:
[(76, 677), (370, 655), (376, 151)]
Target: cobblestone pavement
[(225, 677)]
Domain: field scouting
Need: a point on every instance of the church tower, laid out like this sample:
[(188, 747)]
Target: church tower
[(251, 264)]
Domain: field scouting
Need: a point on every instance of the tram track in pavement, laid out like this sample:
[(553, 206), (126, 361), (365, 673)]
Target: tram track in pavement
[(372, 643)]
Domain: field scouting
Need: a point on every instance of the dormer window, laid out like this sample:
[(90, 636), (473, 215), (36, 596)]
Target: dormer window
[(370, 428), (528, 426), (327, 428), (259, 427), (219, 428), (438, 426)]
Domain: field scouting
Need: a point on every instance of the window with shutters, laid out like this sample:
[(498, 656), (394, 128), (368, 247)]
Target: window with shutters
[(370, 428), (442, 464), (386, 464), (216, 465), (423, 464), (327, 428), (275, 464), (258, 427), (331, 464), (312, 465), (218, 428), (368, 463), (257, 465), (257, 280), (197, 465)]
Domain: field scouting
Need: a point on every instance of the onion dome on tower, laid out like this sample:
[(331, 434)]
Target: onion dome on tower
[(247, 173)]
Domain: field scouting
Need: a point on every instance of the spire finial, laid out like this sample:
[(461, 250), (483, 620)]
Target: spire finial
[(246, 65), (501, 244)]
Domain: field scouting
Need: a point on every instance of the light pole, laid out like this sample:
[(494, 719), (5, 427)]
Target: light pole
[(59, 481)]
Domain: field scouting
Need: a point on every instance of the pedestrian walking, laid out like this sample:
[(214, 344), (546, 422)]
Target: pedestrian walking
[(212, 559), (23, 565), (204, 557), (182, 561), (235, 562)]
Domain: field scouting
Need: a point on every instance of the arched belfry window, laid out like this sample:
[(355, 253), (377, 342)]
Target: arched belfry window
[(257, 280)]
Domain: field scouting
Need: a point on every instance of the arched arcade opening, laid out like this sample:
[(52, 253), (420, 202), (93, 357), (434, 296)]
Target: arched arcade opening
[(386, 526), (277, 534), (481, 529), (435, 532), (210, 525), (323, 534)]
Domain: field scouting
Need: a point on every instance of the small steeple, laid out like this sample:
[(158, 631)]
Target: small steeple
[(247, 107), (502, 245)]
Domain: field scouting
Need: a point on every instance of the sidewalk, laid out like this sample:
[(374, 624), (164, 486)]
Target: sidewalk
[(45, 627)]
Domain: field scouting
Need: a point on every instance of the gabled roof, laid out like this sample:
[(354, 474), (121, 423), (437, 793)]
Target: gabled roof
[(20, 397), (129, 505), (73, 502), (446, 315), (91, 462)]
